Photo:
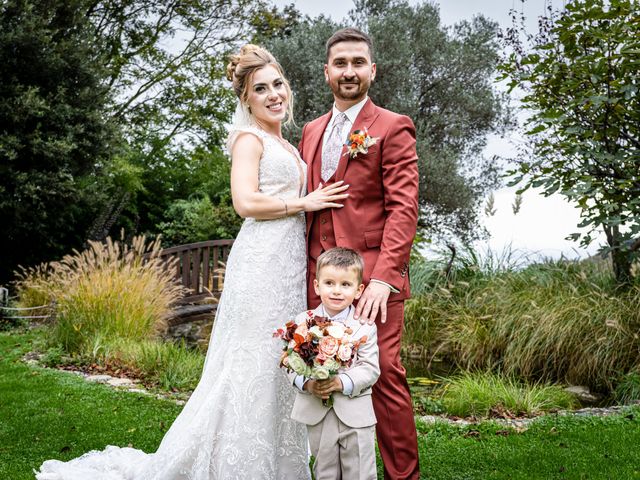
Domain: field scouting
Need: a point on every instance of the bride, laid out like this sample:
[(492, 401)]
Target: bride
[(236, 423)]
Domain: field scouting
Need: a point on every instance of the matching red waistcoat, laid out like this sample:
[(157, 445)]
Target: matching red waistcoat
[(321, 235)]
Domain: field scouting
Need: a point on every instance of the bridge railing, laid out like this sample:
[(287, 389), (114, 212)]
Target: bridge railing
[(200, 267)]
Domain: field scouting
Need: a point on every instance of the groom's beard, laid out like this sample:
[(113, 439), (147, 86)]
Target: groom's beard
[(356, 91)]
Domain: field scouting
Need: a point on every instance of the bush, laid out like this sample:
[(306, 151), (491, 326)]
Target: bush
[(485, 394), (628, 388), (197, 220), (108, 291), (557, 321)]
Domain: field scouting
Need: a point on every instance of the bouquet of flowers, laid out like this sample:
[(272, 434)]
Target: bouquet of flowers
[(316, 348)]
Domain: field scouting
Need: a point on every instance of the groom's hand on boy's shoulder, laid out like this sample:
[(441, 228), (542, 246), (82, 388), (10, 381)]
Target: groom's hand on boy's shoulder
[(374, 299)]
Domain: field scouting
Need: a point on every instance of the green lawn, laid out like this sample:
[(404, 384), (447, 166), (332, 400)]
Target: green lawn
[(554, 447), (48, 414)]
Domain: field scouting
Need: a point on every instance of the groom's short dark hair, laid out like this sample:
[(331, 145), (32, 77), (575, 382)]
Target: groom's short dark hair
[(341, 257), (349, 34)]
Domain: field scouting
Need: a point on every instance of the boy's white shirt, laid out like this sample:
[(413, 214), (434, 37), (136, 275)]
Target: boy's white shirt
[(355, 409)]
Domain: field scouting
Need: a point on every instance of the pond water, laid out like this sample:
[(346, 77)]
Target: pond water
[(426, 367)]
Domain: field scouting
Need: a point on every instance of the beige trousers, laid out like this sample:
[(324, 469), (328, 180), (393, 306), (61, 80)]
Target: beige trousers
[(342, 452)]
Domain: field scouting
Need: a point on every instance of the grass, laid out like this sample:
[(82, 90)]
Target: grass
[(563, 322), (168, 366), (628, 388), (554, 447), (49, 414), (171, 366), (488, 394)]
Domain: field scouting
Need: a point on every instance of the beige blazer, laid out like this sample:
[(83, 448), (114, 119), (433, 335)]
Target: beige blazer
[(355, 410)]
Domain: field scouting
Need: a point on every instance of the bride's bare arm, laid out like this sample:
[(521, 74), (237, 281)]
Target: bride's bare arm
[(249, 202)]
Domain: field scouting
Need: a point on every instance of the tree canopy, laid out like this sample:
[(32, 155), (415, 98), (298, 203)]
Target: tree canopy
[(55, 135), (114, 112), (581, 78), (441, 77), (109, 111)]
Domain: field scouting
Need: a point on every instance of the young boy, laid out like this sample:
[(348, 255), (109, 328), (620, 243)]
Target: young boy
[(342, 437)]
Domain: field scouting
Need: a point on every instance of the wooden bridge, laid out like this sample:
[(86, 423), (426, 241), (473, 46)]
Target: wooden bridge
[(200, 267)]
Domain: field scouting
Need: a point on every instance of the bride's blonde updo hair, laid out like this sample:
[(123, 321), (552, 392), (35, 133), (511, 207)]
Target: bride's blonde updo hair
[(244, 64)]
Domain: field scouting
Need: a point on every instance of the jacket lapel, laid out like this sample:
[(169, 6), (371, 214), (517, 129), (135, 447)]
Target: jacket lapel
[(365, 119), (354, 324), (315, 142)]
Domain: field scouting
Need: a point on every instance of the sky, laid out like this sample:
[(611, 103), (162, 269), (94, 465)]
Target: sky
[(542, 224)]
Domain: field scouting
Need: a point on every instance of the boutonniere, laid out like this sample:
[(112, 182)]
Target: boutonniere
[(359, 141)]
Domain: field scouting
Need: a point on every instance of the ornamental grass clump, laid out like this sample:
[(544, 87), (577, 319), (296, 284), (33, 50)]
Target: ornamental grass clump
[(559, 321), (489, 394), (168, 365), (628, 388), (108, 291)]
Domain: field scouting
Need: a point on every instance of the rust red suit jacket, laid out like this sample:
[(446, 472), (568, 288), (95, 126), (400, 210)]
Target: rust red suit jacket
[(380, 216)]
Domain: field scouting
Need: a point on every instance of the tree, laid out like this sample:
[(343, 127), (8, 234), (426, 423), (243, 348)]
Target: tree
[(54, 133), (166, 62), (580, 76), (441, 77), (99, 98)]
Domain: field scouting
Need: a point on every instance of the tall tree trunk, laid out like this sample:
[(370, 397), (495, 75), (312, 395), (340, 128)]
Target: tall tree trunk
[(620, 255)]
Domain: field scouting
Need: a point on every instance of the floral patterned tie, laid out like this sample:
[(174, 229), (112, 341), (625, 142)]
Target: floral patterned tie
[(333, 148)]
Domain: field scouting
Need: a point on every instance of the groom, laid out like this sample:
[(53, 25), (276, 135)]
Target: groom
[(378, 220)]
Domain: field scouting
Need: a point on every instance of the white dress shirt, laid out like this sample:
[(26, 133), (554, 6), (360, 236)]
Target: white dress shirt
[(351, 113)]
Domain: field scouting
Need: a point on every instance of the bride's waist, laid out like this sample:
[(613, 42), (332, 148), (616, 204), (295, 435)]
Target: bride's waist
[(296, 221), (295, 218)]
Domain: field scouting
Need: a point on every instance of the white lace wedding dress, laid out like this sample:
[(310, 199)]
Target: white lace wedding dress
[(236, 424)]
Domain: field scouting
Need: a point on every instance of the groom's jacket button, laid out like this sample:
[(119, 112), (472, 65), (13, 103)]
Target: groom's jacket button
[(324, 237), (323, 220)]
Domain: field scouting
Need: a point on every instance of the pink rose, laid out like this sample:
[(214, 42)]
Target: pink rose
[(328, 346), (344, 352), (321, 357)]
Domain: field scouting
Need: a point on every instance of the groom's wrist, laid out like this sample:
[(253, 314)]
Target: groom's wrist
[(391, 287)]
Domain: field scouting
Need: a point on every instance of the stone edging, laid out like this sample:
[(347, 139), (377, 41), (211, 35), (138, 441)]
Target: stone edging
[(522, 423), (120, 383)]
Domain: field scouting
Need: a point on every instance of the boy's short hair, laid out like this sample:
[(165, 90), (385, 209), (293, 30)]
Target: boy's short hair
[(341, 257)]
